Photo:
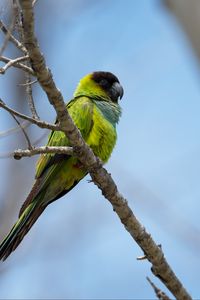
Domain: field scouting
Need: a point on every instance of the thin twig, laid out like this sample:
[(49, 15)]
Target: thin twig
[(41, 124), (160, 294), (10, 30), (30, 97), (28, 83), (143, 257), (12, 62), (34, 2), (12, 130), (18, 154), (18, 65), (100, 176), (27, 75), (12, 38), (24, 132)]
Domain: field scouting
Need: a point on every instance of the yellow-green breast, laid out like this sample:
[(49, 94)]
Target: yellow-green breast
[(103, 135)]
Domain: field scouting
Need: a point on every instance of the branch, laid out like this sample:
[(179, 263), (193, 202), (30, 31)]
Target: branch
[(18, 65), (28, 83), (41, 124), (99, 175), (12, 62), (12, 38), (18, 154), (160, 294), (9, 31), (29, 92)]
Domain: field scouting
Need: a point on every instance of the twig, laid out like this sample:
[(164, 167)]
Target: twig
[(9, 64), (27, 75), (18, 154), (12, 130), (143, 257), (24, 132), (18, 65), (160, 294), (30, 97), (28, 83), (34, 2), (99, 175), (9, 31), (12, 62), (41, 124), (12, 38)]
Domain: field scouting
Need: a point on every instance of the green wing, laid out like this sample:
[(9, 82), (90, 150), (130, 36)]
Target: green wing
[(81, 111)]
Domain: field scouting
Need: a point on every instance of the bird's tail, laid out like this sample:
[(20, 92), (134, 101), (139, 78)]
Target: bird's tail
[(20, 229)]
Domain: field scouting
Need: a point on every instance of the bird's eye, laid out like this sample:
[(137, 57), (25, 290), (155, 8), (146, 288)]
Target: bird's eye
[(103, 82)]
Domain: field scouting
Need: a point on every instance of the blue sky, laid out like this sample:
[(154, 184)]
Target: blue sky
[(78, 248)]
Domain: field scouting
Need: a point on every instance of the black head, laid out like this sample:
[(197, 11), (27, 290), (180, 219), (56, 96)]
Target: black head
[(110, 84)]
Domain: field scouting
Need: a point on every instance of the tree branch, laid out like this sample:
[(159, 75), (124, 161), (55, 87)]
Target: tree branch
[(18, 154), (11, 27), (160, 294), (41, 124), (30, 97), (12, 62), (100, 176), (28, 83), (18, 65), (12, 38)]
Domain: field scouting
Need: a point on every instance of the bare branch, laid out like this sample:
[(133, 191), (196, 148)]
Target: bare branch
[(30, 97), (18, 65), (12, 62), (12, 38), (99, 175), (18, 154), (34, 2), (28, 83), (27, 75), (41, 124), (160, 294), (11, 27)]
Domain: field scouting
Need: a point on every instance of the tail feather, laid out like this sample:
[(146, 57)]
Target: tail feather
[(20, 229)]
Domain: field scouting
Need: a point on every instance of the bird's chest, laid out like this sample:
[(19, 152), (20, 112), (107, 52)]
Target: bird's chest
[(102, 137)]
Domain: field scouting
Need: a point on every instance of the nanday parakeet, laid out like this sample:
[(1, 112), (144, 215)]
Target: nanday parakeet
[(95, 111)]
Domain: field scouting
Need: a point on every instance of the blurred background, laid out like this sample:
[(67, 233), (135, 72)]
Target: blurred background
[(78, 249)]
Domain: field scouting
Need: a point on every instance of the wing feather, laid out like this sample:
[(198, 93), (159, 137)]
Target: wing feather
[(81, 111)]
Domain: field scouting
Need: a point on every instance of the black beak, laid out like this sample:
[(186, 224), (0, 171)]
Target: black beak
[(117, 91)]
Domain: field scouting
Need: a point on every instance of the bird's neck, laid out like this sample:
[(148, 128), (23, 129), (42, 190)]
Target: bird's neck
[(110, 110)]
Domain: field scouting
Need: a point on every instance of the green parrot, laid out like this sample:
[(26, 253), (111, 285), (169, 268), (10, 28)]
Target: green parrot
[(95, 111)]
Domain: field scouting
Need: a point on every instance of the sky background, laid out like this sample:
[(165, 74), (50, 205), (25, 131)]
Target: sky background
[(78, 249)]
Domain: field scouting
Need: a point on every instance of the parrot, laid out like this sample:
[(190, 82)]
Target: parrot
[(95, 110)]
